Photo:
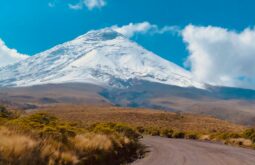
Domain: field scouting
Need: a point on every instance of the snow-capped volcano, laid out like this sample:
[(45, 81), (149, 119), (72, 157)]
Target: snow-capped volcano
[(102, 57)]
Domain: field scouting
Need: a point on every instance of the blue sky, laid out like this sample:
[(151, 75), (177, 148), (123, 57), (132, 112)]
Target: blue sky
[(32, 26)]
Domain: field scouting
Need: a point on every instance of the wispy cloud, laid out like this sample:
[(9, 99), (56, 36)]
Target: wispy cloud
[(77, 6), (220, 56), (51, 4), (144, 27), (90, 4), (9, 56)]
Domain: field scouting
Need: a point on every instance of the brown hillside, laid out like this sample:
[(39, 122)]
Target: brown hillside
[(144, 118)]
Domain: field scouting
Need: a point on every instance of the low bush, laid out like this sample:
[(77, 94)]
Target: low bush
[(7, 114), (166, 133), (119, 128), (192, 136), (45, 125), (179, 134), (239, 142), (140, 129), (225, 136), (250, 134), (152, 131)]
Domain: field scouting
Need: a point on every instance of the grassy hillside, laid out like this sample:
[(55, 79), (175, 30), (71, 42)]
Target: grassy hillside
[(41, 139)]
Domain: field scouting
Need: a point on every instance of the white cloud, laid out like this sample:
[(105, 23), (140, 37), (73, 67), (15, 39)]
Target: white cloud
[(144, 27), (9, 56), (90, 4), (221, 57)]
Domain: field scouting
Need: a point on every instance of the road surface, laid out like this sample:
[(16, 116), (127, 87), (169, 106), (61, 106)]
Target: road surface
[(165, 151)]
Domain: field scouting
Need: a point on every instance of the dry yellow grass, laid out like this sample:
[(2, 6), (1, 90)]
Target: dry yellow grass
[(15, 145), (92, 142), (42, 139)]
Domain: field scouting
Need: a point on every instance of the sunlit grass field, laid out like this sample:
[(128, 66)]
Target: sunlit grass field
[(69, 134)]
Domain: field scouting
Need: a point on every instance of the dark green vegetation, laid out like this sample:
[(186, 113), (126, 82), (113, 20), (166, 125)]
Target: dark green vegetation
[(41, 139)]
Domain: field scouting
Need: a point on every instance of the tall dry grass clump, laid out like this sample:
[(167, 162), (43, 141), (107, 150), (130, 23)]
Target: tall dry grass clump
[(13, 146), (92, 142)]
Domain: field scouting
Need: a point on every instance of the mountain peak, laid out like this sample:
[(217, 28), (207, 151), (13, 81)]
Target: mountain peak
[(103, 57), (102, 34)]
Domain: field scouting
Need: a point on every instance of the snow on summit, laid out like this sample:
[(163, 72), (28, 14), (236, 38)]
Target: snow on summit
[(103, 57)]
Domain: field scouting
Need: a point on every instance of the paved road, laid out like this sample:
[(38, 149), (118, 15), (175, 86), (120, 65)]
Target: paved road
[(187, 152)]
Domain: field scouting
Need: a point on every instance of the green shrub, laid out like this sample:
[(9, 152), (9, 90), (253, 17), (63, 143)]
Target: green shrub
[(250, 134), (178, 134), (166, 133)]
